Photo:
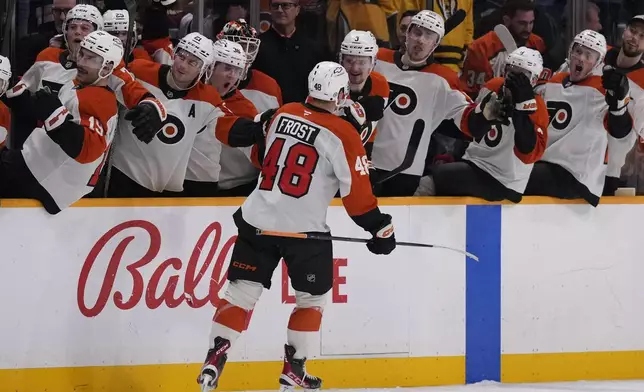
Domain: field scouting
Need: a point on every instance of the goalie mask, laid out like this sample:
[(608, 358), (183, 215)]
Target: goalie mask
[(245, 35)]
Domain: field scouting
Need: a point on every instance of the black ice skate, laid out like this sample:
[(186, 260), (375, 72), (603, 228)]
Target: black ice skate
[(214, 365), (294, 373)]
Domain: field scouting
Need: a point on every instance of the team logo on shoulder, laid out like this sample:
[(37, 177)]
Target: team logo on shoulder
[(403, 99), (172, 130), (560, 113)]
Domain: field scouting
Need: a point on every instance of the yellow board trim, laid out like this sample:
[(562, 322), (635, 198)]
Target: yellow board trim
[(237, 201), (611, 365), (335, 373)]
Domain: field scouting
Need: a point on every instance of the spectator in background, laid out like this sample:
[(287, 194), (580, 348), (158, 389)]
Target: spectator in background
[(401, 31), (29, 47), (376, 16), (286, 54), (486, 56), (592, 17)]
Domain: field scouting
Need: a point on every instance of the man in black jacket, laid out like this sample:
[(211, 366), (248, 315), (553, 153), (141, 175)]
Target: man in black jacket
[(286, 54)]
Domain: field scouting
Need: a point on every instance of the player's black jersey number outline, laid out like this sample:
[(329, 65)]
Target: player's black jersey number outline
[(560, 114), (295, 176), (172, 130), (403, 99)]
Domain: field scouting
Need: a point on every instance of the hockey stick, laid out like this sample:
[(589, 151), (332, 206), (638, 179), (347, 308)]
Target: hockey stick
[(130, 5), (410, 154), (322, 237), (506, 38), (453, 21)]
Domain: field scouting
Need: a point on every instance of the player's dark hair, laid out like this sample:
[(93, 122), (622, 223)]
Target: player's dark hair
[(511, 7), (411, 13)]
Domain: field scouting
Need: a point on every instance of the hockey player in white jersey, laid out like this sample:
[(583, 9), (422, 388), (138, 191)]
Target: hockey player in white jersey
[(358, 53), (585, 107), (498, 166), (5, 116), (262, 90), (55, 67), (117, 23), (159, 168), (310, 154), (627, 60), (61, 162), (423, 94), (211, 163)]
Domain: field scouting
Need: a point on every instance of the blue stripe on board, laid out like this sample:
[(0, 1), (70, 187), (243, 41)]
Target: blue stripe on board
[(483, 294)]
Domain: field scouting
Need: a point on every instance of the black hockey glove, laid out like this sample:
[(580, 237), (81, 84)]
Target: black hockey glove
[(18, 96), (523, 97), (146, 119), (495, 109), (49, 109), (383, 241), (374, 106), (617, 89)]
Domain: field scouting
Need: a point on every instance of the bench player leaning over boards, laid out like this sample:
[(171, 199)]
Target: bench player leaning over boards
[(423, 94), (311, 152), (497, 166), (5, 115), (55, 67), (585, 107), (61, 161)]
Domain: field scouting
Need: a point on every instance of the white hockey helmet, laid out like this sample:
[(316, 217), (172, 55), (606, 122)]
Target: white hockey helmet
[(5, 74), (105, 45), (230, 53), (430, 20), (329, 81), (85, 12), (359, 43), (199, 46), (118, 21), (241, 32), (527, 59), (591, 40)]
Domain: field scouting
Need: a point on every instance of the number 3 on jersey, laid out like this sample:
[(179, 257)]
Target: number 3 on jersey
[(295, 177)]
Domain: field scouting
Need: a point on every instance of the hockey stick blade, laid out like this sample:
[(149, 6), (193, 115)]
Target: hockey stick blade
[(453, 21), (506, 38), (410, 154), (321, 237)]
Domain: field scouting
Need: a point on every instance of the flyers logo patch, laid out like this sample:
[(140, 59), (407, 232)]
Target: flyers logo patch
[(494, 136), (172, 130), (403, 99), (560, 114)]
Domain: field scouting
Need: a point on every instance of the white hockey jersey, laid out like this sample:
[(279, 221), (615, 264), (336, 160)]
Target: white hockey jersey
[(310, 154), (496, 153), (430, 94), (236, 166), (577, 135), (67, 179), (53, 69), (161, 164), (618, 149), (262, 90)]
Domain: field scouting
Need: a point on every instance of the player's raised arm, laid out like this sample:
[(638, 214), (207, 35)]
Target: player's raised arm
[(619, 121)]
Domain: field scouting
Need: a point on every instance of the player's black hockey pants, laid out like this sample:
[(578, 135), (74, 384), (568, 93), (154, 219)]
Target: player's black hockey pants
[(549, 179), (466, 179)]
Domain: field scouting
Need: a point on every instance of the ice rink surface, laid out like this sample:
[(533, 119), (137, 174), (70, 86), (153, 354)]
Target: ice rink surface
[(580, 386)]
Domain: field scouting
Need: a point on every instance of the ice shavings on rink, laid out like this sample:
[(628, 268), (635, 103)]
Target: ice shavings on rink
[(580, 386)]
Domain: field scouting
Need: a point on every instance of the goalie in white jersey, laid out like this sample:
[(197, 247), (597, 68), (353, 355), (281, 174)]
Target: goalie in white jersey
[(423, 94), (497, 166), (311, 153), (585, 107), (61, 162)]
